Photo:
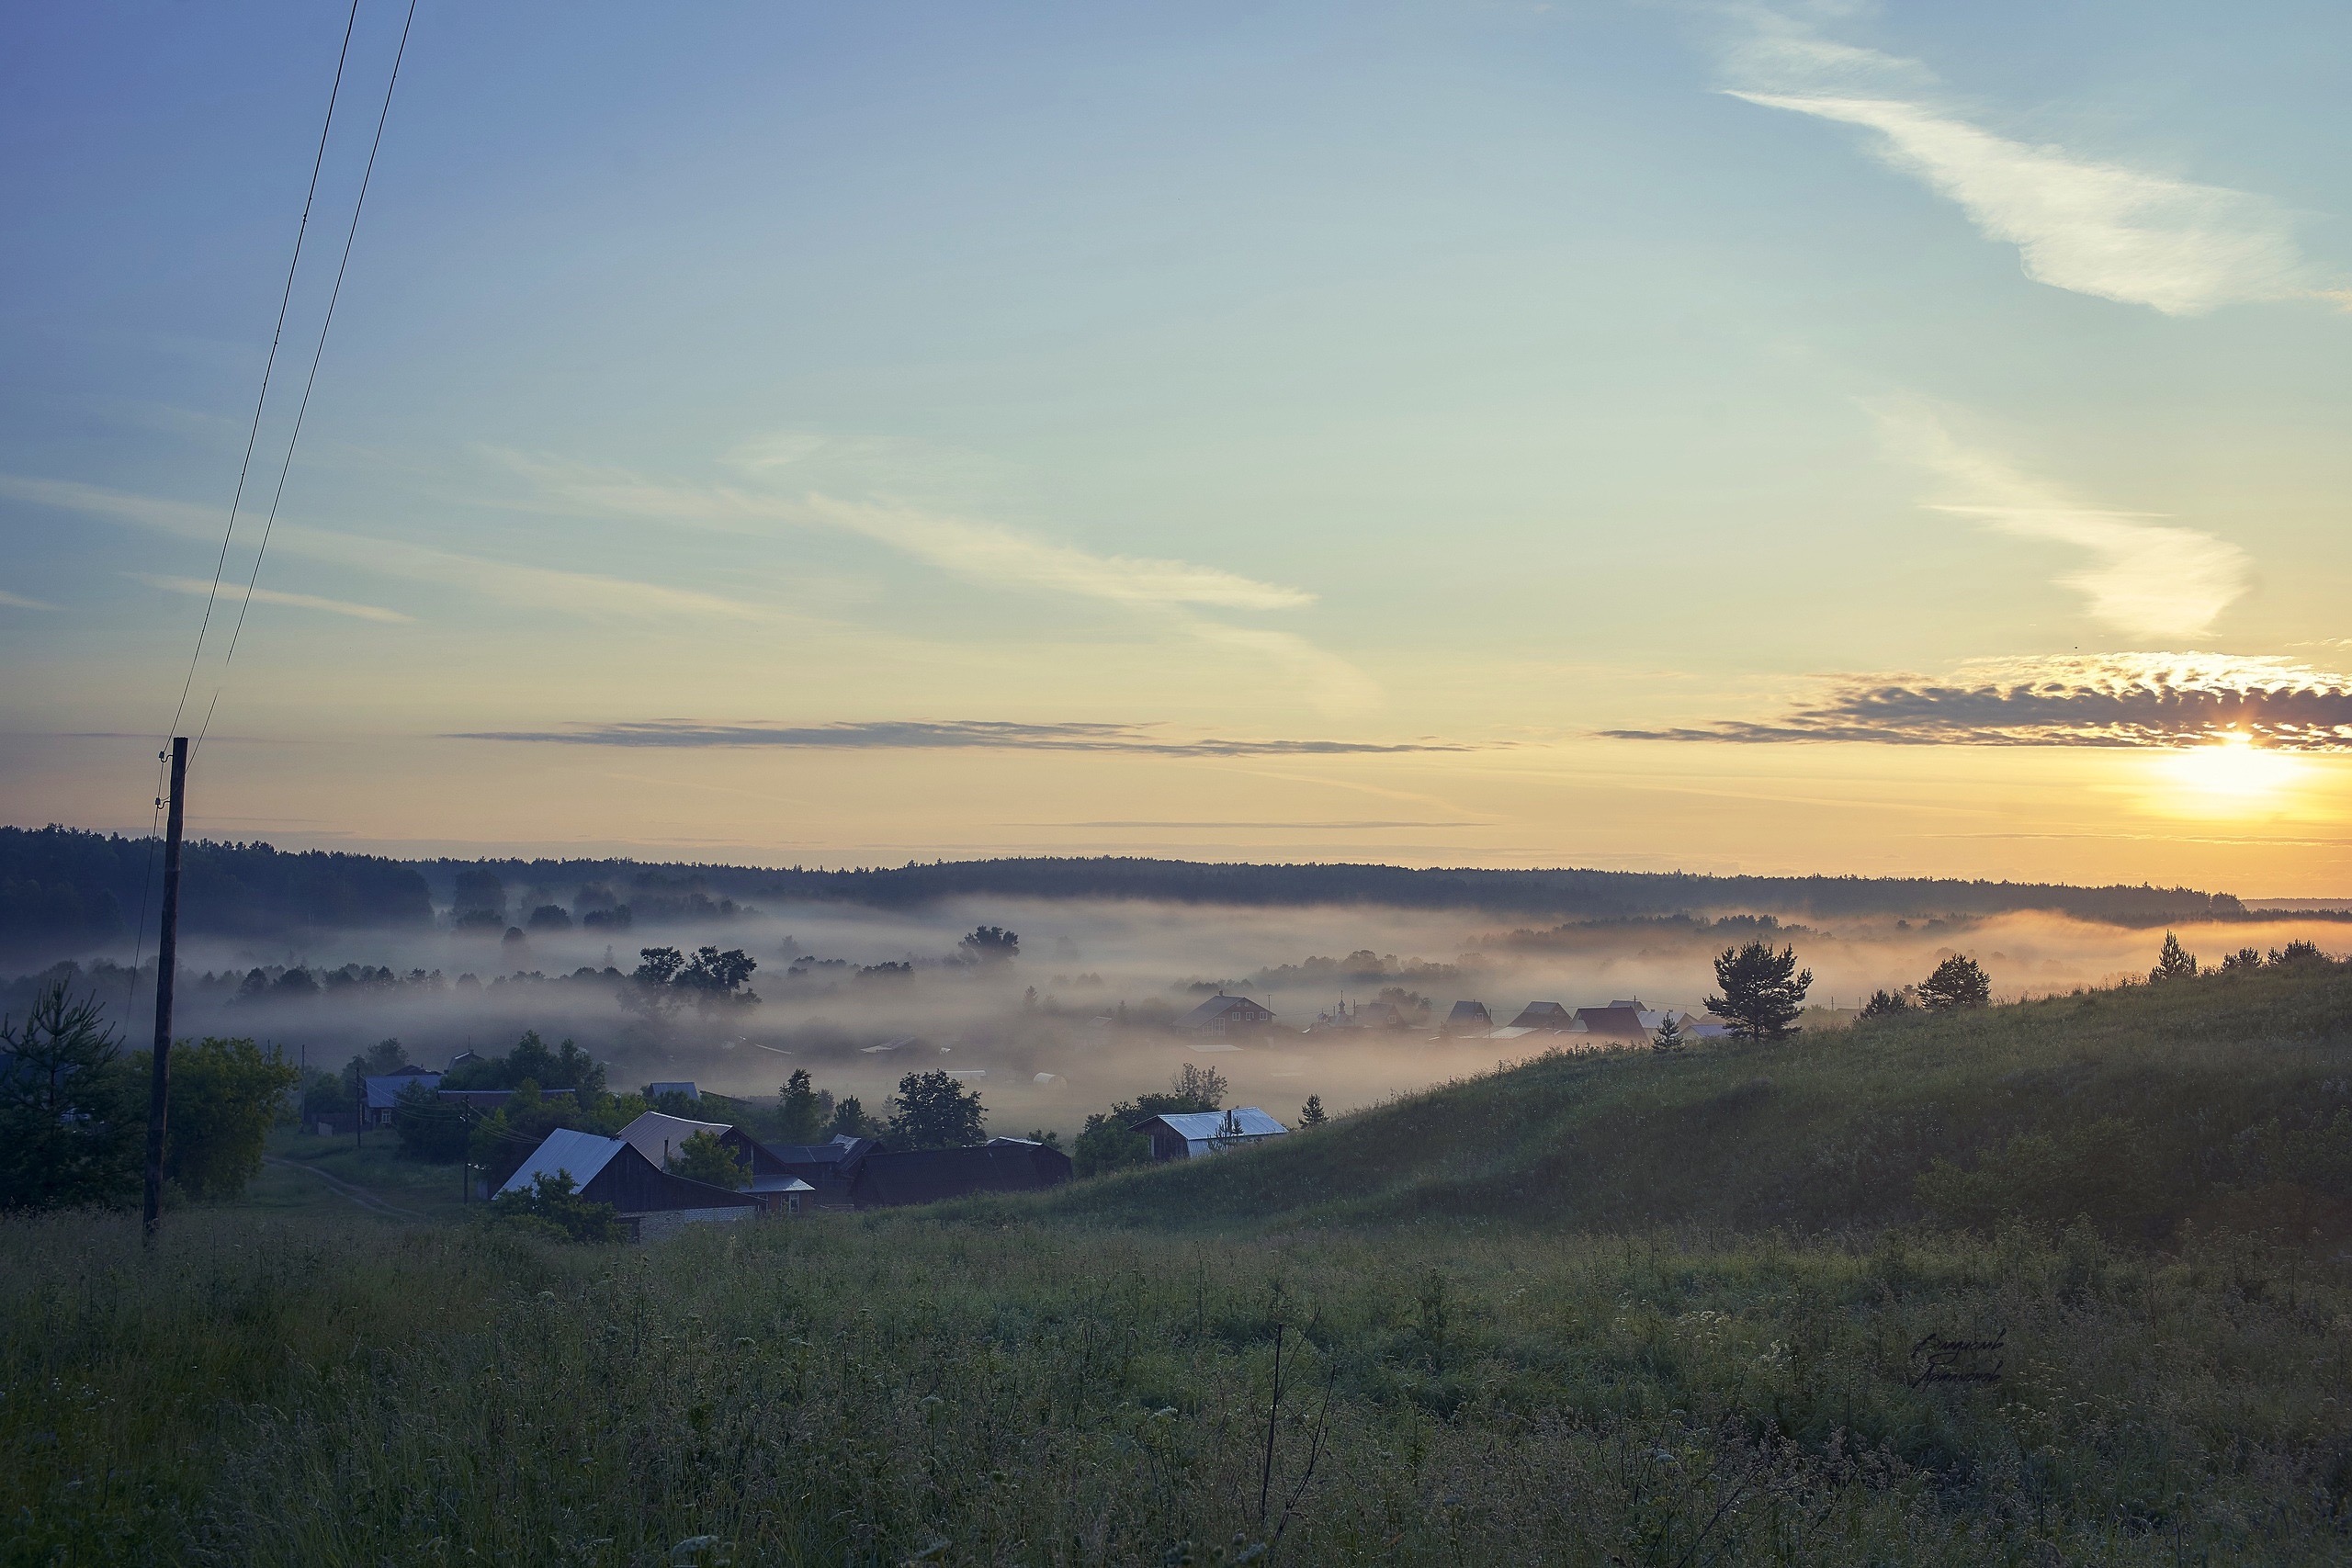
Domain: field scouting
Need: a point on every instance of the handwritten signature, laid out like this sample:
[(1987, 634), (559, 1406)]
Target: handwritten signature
[(1938, 1360)]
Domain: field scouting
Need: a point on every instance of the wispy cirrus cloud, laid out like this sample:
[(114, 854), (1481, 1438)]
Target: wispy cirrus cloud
[(2078, 223), (531, 587), (980, 551), (928, 735), (2147, 577), (18, 602), (231, 593), (1174, 593), (2152, 700)]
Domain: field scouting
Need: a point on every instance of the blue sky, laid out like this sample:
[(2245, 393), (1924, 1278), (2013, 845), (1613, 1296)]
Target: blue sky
[(1501, 378)]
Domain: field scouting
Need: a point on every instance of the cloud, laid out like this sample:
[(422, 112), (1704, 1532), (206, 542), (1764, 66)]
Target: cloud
[(2079, 224), (979, 551), (200, 587), (2148, 579), (18, 602), (925, 735), (532, 587), (982, 551), (2162, 699)]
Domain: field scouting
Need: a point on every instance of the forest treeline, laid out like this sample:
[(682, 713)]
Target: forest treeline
[(64, 891)]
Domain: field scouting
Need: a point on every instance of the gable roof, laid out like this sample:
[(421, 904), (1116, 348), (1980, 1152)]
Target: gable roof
[(657, 1136), (1468, 1012), (656, 1091), (582, 1155), (384, 1090), (1220, 1006), (1200, 1127), (1542, 1015), (1616, 1020)]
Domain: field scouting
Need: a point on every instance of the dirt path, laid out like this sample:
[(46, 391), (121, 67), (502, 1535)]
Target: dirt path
[(358, 1195)]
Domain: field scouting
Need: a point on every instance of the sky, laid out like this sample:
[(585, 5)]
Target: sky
[(1897, 439)]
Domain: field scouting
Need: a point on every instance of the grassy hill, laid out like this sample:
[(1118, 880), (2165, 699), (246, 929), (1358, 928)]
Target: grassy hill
[(1601, 1310), (2227, 1097)]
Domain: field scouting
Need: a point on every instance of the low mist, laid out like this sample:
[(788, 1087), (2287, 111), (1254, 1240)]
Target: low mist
[(1082, 1015)]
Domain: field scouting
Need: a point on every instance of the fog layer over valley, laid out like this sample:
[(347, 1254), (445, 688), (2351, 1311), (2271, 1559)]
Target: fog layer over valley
[(1082, 1010)]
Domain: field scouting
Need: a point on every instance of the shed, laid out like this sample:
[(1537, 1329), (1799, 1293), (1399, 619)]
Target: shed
[(1187, 1134), (932, 1176), (1222, 1015), (609, 1170)]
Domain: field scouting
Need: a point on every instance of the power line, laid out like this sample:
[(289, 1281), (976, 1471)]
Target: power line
[(350, 235), (268, 365)]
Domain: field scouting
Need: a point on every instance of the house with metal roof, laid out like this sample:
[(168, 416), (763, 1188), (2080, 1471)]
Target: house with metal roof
[(1469, 1018), (1188, 1134), (883, 1181), (380, 1092), (1222, 1015), (651, 1201)]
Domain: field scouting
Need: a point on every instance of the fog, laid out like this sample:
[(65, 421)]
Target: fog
[(1040, 1034)]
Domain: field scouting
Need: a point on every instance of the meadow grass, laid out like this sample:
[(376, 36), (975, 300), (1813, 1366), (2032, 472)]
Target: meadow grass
[(842, 1390), (1621, 1309)]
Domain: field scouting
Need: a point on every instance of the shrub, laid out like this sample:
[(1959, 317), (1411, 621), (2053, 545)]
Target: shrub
[(551, 1205)]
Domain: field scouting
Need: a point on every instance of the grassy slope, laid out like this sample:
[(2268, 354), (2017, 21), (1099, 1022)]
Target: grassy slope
[(2159, 1103), (323, 1388)]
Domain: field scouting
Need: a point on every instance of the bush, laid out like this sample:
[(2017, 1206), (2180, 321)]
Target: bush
[(704, 1158), (551, 1205), (225, 1098)]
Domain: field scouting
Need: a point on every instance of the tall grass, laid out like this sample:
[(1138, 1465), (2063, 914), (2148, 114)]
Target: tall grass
[(855, 1391), (1620, 1309)]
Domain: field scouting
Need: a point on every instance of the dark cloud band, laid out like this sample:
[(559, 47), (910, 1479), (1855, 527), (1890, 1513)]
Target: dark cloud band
[(896, 734), (2117, 700)]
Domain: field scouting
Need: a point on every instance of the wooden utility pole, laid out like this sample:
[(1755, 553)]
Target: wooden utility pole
[(167, 955)]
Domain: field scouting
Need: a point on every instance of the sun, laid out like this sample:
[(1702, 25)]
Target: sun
[(2232, 770)]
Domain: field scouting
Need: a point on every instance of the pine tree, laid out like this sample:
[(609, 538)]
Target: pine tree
[(2175, 962), (1668, 1040), (1311, 1113), (1958, 983), (1763, 992)]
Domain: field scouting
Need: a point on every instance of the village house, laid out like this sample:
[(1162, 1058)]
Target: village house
[(1224, 1015), (651, 1201), (660, 1137), (1469, 1018), (1188, 1134)]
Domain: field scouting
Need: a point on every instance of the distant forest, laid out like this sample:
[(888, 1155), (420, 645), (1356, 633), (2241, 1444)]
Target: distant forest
[(64, 891)]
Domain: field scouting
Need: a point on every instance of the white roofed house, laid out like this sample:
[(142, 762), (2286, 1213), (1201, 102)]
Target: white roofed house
[(651, 1200), (659, 1137), (1222, 1015), (1188, 1134)]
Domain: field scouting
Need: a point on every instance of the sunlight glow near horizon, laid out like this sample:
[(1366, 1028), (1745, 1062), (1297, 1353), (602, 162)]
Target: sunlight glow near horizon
[(2233, 775)]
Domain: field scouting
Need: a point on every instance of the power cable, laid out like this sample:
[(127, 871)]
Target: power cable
[(350, 235), (285, 298)]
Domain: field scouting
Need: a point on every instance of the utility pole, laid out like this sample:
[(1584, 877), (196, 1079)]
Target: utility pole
[(167, 953)]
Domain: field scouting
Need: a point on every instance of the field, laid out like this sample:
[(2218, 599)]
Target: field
[(1619, 1309)]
